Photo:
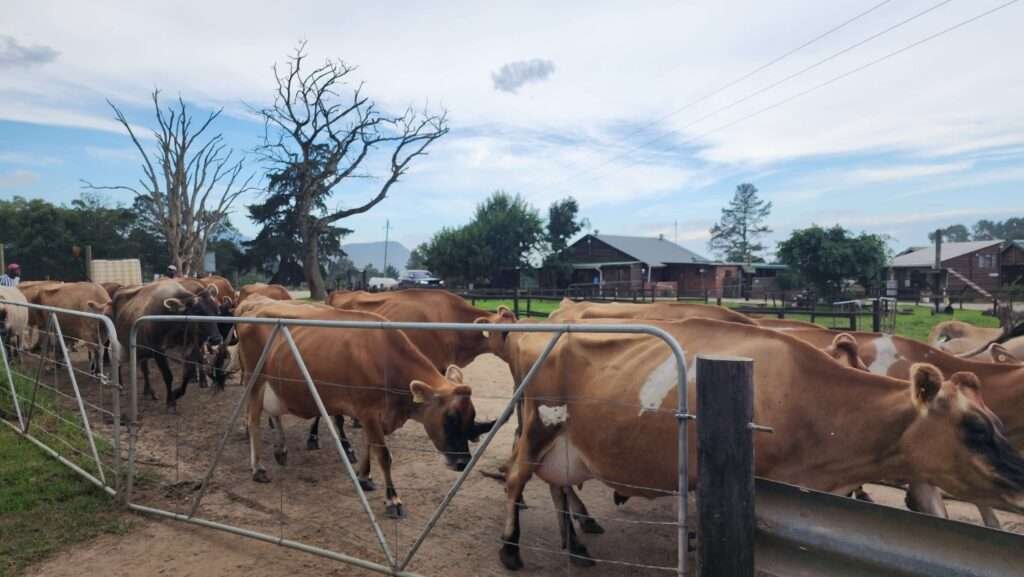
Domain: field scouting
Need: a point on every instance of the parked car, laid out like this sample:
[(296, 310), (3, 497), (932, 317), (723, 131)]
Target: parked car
[(419, 279)]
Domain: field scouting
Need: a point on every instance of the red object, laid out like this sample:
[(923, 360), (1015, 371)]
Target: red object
[(13, 267)]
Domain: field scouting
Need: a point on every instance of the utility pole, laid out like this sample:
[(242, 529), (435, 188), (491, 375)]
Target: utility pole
[(387, 230)]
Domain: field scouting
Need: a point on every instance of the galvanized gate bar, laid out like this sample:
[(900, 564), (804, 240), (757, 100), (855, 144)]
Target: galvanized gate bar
[(10, 381), (55, 323), (682, 411), (231, 421), (337, 443), (502, 419)]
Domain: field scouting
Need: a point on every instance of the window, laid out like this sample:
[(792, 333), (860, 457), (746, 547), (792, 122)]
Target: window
[(986, 261)]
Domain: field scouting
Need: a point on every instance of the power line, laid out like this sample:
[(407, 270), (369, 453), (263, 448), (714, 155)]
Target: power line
[(626, 153), (747, 75), (835, 79)]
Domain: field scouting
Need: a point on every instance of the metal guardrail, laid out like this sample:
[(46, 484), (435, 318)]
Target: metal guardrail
[(397, 566), (808, 533)]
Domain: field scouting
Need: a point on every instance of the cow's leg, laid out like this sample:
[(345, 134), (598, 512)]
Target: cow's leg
[(280, 448), (147, 389), (313, 439), (364, 467), (378, 443), (255, 411), (527, 457), (579, 512), (165, 371), (578, 554), (988, 516), (925, 498), (200, 366), (189, 372)]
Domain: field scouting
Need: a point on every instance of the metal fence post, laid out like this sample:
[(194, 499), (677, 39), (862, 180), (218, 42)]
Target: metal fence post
[(725, 450)]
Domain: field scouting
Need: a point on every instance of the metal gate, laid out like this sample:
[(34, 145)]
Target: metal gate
[(395, 565)]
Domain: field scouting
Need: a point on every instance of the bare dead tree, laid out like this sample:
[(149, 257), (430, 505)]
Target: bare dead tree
[(188, 187), (328, 137)]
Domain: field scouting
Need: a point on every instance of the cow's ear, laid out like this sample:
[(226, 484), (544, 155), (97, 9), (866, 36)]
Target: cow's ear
[(174, 305), (94, 306), (212, 290), (964, 379), (480, 428), (844, 349), (506, 315), (227, 301), (421, 392), (481, 321), (925, 382), (1001, 355), (453, 374)]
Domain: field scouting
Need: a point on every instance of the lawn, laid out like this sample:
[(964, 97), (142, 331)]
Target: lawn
[(915, 325), (44, 506)]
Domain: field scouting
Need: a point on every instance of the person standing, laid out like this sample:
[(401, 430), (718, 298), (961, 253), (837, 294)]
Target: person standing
[(172, 271), (13, 275)]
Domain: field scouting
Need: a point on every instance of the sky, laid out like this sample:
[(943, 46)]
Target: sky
[(649, 114)]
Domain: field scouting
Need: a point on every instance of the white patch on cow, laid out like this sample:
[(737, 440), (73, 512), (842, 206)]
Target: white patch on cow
[(272, 404), (886, 355), (563, 464), (553, 416), (660, 382)]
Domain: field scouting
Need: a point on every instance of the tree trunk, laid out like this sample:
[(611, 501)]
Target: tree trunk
[(311, 265)]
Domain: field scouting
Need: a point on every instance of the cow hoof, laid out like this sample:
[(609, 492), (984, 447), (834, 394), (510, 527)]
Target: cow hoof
[(281, 457), (589, 525), (619, 499), (260, 476), (581, 558), (367, 484), (395, 511), (313, 444), (510, 558)]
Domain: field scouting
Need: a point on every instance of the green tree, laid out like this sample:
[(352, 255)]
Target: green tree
[(278, 250), (735, 235), (825, 258), (562, 225), (416, 259), (391, 272), (504, 233), (954, 233), (1010, 229)]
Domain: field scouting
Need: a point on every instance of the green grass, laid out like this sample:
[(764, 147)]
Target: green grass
[(45, 506), (916, 325)]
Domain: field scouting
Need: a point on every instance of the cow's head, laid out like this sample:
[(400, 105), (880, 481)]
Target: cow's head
[(488, 341), (201, 304), (448, 416), (957, 443)]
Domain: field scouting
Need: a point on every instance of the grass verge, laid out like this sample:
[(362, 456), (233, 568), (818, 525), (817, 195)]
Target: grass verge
[(45, 506)]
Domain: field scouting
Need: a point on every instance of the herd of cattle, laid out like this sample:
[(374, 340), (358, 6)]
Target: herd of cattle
[(847, 409)]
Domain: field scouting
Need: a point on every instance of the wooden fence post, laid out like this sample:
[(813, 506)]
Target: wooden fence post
[(515, 302), (725, 451), (876, 315), (88, 262)]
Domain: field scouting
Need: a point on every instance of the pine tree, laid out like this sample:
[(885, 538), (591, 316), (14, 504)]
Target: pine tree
[(735, 235)]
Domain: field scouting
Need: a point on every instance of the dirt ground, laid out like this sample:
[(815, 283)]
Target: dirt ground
[(312, 500)]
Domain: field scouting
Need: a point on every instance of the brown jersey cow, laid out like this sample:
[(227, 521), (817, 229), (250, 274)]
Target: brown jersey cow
[(377, 376), (273, 291), (604, 407), (85, 297), (569, 310)]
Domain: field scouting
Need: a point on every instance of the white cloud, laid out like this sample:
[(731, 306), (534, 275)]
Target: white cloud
[(27, 159), (17, 178), (907, 171), (14, 54), (113, 154), (510, 77)]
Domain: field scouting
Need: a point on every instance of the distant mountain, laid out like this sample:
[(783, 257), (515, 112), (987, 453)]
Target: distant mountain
[(364, 253)]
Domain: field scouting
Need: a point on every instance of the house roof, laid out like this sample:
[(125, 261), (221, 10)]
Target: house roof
[(925, 256), (653, 251)]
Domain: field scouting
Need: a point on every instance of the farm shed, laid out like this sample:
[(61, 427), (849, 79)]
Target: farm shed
[(633, 262), (977, 267)]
